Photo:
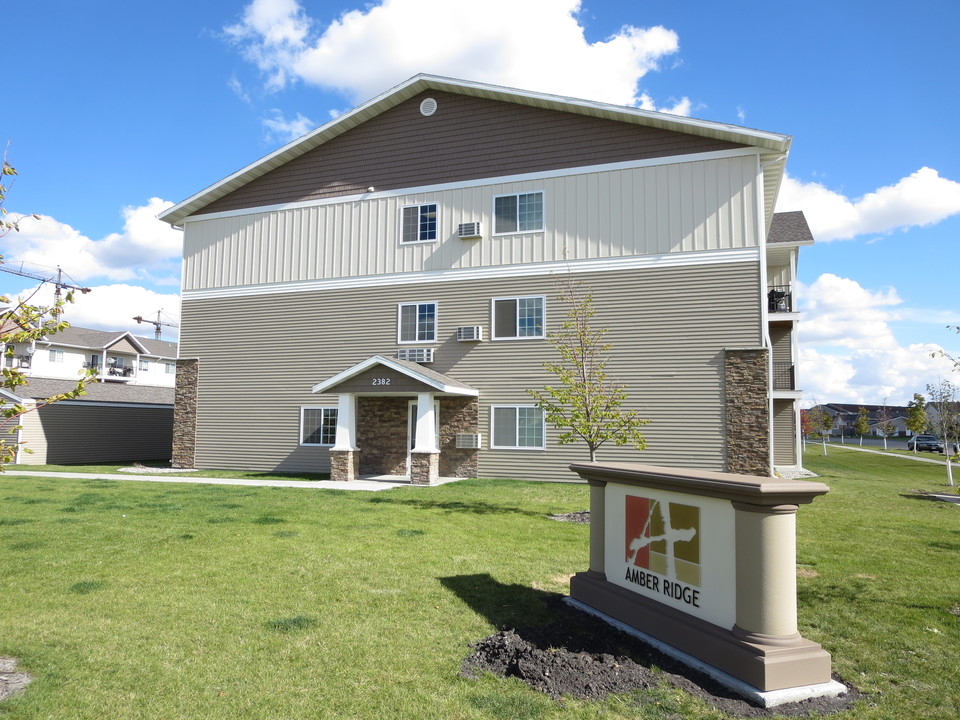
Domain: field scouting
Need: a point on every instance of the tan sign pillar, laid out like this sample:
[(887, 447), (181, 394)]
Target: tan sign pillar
[(704, 563)]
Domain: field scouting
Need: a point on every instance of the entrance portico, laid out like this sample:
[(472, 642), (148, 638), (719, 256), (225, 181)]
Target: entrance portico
[(374, 398)]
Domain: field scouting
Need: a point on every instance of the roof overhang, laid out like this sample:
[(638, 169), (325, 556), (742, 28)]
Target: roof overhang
[(435, 381), (773, 146)]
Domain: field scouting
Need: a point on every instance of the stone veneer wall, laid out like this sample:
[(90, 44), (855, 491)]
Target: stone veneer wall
[(382, 435), (747, 410), (185, 413), (344, 465), (458, 415)]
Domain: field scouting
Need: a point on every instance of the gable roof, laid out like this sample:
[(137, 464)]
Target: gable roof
[(415, 371), (773, 147), (104, 339)]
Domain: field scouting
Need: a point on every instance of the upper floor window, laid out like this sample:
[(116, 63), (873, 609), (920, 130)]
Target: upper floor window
[(144, 364), (56, 356), (170, 368), (418, 223), (318, 426), (518, 213), (417, 322), (518, 317)]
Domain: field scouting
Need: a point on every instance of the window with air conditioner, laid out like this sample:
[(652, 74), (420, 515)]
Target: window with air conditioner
[(417, 322)]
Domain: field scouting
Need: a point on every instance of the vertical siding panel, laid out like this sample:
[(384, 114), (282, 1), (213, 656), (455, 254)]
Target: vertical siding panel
[(681, 207)]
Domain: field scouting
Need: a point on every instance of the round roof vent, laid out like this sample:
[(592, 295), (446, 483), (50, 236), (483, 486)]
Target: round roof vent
[(428, 107)]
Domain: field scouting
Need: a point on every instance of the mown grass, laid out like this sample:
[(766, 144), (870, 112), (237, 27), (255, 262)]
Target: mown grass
[(135, 600)]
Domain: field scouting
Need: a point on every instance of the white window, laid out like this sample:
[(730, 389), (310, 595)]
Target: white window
[(318, 425), (417, 322), (516, 318), (56, 356), (144, 365), (518, 213), (170, 368), (418, 223), (517, 426)]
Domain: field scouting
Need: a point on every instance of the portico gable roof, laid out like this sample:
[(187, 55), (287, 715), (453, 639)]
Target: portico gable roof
[(438, 382)]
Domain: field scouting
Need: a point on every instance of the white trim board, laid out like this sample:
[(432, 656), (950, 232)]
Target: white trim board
[(633, 262)]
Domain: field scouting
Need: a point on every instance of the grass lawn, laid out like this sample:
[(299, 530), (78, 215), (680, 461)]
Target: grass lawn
[(139, 600)]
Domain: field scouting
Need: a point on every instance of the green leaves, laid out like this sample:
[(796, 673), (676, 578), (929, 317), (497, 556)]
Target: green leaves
[(586, 404)]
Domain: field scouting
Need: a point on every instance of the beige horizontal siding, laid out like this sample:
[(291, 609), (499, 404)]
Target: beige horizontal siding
[(685, 207), (260, 356), (781, 337), (784, 433)]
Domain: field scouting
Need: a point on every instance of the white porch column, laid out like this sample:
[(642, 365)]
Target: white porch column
[(427, 441), (346, 440)]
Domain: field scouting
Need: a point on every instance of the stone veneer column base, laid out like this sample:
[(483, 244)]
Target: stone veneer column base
[(185, 413), (344, 465), (424, 468), (747, 411)]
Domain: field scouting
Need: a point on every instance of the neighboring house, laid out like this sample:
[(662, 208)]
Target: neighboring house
[(374, 297), (845, 417), (126, 416)]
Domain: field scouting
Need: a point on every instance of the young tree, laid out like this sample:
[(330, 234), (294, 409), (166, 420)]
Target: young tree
[(587, 404), (861, 426), (885, 424), (24, 323), (817, 422), (917, 420), (946, 419)]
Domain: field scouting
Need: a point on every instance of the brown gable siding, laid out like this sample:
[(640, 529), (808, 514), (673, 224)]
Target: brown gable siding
[(466, 138)]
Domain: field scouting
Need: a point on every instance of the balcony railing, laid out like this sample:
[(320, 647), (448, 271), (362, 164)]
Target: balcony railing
[(783, 376), (780, 299)]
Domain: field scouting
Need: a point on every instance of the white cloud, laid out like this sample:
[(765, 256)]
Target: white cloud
[(848, 350), (279, 128), (920, 199), (113, 307), (147, 249), (272, 33), (535, 45)]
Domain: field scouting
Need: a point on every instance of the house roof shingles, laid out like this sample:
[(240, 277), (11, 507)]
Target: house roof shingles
[(42, 388)]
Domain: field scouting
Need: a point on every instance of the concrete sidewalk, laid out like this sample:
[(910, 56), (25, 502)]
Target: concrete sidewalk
[(916, 458), (370, 484)]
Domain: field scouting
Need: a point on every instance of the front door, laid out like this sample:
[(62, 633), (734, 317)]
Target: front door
[(412, 426)]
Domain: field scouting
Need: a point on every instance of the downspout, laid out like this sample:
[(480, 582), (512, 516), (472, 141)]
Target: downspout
[(764, 308)]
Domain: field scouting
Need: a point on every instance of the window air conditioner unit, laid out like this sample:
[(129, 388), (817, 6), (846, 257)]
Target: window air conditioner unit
[(469, 230), (468, 441), (417, 355), (470, 333)]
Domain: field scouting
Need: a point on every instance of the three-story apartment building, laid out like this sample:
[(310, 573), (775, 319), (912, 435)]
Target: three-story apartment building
[(376, 297)]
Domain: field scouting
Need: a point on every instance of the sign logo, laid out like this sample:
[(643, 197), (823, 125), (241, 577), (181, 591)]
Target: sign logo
[(663, 538)]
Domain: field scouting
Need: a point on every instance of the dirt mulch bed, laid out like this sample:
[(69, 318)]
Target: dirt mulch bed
[(583, 657), (11, 681)]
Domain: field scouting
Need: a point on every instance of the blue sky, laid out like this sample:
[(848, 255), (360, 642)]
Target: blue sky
[(116, 109)]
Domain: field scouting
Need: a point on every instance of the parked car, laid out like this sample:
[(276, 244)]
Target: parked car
[(925, 442)]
